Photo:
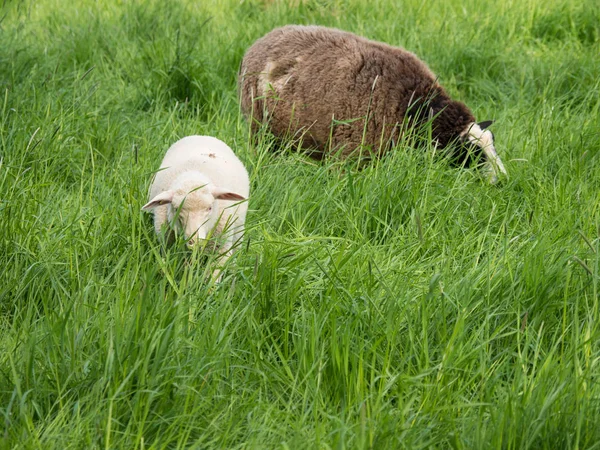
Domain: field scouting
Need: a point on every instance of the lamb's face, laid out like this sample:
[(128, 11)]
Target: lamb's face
[(192, 206), (192, 211), (478, 139)]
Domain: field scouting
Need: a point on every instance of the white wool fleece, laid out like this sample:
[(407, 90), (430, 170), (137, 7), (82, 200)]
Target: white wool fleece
[(201, 189)]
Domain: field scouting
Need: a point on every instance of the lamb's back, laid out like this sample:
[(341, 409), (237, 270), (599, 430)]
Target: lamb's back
[(205, 154)]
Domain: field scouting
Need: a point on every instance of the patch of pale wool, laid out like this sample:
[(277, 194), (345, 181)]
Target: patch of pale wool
[(268, 82), (263, 80)]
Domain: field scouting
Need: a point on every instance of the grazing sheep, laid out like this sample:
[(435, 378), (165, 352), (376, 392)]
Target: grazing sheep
[(197, 190), (319, 84)]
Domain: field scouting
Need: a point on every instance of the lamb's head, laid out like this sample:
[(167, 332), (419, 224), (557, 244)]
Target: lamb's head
[(191, 205), (476, 139)]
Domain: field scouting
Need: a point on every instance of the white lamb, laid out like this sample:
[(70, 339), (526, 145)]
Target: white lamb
[(201, 189)]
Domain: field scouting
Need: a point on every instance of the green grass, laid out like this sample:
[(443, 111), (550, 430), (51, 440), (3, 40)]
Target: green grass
[(407, 305)]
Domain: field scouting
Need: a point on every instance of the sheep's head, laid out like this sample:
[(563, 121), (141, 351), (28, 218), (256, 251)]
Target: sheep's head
[(191, 205), (476, 140), (453, 125)]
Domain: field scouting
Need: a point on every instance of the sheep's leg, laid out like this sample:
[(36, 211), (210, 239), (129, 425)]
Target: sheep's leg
[(225, 253), (220, 263)]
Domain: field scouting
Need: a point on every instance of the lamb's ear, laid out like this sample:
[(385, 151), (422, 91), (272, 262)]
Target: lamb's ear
[(486, 123), (161, 199), (225, 194)]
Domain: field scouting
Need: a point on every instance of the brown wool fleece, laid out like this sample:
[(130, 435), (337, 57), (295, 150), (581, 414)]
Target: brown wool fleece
[(319, 84)]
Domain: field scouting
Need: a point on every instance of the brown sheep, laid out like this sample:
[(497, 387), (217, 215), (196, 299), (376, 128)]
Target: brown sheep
[(318, 85)]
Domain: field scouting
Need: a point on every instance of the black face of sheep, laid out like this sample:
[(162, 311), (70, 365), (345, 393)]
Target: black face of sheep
[(335, 92)]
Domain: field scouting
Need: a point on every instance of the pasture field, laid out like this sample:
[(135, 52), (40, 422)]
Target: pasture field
[(406, 305)]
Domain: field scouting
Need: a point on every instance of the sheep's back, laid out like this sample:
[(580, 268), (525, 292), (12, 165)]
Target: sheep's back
[(322, 83)]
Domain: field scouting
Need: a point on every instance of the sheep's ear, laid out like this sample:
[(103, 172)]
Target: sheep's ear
[(225, 194), (486, 123), (161, 199)]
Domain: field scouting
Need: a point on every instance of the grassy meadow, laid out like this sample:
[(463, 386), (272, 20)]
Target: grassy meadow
[(407, 305)]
